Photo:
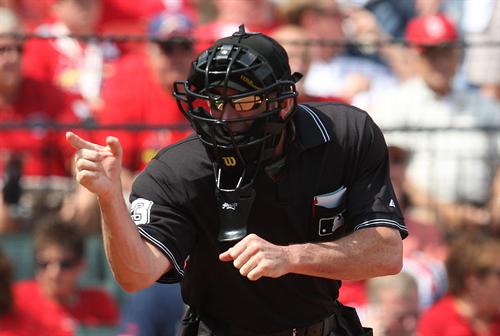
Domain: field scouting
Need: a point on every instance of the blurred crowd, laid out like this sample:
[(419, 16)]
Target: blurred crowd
[(427, 72)]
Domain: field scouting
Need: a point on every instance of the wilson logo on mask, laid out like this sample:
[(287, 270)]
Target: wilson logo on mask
[(229, 161)]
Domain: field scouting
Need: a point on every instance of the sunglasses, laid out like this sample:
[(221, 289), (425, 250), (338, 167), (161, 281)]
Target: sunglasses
[(169, 47), (243, 104), (11, 48), (64, 264), (398, 160)]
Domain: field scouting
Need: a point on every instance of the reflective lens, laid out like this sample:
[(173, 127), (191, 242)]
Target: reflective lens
[(243, 104)]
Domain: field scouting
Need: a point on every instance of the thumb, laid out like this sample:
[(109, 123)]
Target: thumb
[(114, 146), (226, 256)]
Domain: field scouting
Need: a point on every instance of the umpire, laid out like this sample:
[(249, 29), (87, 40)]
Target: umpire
[(263, 210)]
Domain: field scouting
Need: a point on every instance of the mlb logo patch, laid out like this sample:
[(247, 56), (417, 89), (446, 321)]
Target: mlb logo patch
[(328, 226)]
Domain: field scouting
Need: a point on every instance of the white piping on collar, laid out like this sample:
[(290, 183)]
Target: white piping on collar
[(318, 122)]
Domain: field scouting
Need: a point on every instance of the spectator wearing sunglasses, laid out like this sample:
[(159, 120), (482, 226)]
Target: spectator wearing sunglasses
[(139, 93), (454, 157), (53, 298), (73, 64), (12, 321), (140, 90), (28, 155)]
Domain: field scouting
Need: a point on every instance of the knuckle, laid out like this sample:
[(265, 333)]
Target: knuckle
[(254, 245)]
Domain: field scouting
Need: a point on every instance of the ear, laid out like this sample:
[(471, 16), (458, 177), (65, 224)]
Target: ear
[(286, 107)]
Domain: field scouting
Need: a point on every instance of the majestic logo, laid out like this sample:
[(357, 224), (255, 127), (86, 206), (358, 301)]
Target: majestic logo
[(229, 206), (328, 226), (392, 204), (229, 161)]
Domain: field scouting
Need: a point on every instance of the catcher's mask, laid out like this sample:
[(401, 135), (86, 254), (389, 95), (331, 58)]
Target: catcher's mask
[(250, 72)]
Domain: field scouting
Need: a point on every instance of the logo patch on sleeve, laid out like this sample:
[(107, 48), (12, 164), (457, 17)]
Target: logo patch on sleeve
[(327, 226), (140, 211)]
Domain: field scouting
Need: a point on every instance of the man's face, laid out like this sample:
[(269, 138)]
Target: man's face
[(57, 272), (81, 16), (246, 107), (170, 61), (488, 305), (437, 67), (399, 313), (10, 61)]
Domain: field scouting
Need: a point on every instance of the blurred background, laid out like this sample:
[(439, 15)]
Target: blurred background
[(427, 72)]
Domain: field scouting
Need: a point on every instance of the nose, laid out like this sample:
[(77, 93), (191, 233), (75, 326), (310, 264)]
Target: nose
[(53, 270)]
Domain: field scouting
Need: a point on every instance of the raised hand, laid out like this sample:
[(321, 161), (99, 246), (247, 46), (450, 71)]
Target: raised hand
[(256, 257), (98, 168)]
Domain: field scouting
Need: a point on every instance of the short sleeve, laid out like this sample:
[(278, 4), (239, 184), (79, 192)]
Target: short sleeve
[(371, 200), (157, 210)]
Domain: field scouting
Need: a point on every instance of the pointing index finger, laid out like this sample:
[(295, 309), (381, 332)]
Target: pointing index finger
[(79, 143)]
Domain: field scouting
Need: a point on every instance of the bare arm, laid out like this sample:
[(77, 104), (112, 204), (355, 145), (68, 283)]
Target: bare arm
[(363, 254), (135, 263)]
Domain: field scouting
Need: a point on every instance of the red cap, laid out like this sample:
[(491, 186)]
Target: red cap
[(431, 30)]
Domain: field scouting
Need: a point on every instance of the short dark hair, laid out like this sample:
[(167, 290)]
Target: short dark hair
[(52, 230), (470, 255)]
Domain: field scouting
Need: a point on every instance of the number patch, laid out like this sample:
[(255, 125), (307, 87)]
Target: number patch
[(140, 211)]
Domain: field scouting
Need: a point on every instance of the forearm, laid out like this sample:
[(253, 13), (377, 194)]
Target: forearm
[(363, 254), (134, 263)]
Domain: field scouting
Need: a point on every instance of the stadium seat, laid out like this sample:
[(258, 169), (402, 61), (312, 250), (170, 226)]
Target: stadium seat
[(19, 249)]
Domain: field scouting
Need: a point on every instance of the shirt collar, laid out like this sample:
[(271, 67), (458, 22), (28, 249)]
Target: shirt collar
[(311, 127)]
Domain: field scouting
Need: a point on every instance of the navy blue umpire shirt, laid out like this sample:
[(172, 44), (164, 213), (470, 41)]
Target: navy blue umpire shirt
[(335, 181)]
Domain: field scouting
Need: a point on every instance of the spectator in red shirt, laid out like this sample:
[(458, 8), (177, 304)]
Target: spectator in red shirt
[(54, 298), (32, 153), (24, 99), (141, 90), (139, 93), (12, 322), (76, 66), (472, 306)]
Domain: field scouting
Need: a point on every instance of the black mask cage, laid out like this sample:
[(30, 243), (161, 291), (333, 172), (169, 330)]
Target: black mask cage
[(225, 66)]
